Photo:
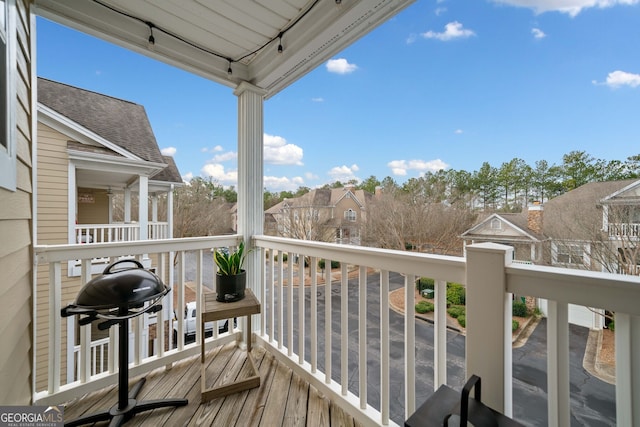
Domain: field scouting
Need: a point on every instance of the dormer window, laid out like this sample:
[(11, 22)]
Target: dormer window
[(350, 215)]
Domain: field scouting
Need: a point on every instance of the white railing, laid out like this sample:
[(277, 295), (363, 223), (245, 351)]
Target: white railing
[(322, 351), (491, 278), (119, 232), (99, 354), (624, 230), (51, 346)]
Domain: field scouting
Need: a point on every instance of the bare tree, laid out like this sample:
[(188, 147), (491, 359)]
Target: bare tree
[(200, 210), (306, 223), (413, 220)]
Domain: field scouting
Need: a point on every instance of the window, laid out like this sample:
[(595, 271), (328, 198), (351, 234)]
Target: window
[(350, 215), (496, 224), (7, 97), (570, 253)]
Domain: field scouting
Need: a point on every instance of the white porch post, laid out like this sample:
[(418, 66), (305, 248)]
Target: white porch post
[(143, 207), (628, 369), (488, 343), (250, 177), (127, 205), (170, 212), (154, 208)]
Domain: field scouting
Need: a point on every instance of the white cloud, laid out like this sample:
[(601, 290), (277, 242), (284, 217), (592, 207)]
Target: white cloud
[(344, 173), (619, 78), (453, 30), (458, 131), (169, 151), (311, 176), (412, 38), (217, 172), (318, 99), (538, 33), (224, 157), (401, 167), (440, 10), (187, 177), (275, 183), (278, 152), (340, 66), (216, 149), (570, 7)]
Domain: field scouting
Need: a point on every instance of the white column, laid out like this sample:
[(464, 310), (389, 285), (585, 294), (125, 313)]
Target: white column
[(250, 175), (127, 205), (143, 207), (628, 367), (110, 197), (170, 212), (154, 208), (488, 312)]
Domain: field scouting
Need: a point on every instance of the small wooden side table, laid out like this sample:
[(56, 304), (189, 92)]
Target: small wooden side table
[(215, 310)]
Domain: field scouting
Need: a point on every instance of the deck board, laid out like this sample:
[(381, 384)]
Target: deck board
[(283, 398)]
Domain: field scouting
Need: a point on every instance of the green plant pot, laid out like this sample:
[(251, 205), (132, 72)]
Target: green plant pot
[(231, 288)]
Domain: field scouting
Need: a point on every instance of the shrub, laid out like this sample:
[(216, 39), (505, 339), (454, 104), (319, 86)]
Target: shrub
[(424, 307), (462, 320), (322, 263), (514, 325), (456, 311), (612, 326), (424, 283), (284, 257), (456, 294), (537, 312), (519, 309)]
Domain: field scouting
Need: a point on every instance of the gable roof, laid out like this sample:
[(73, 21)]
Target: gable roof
[(574, 215), (322, 197), (514, 228), (118, 121), (577, 214)]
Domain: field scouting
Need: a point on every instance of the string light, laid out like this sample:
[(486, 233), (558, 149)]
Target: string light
[(152, 41)]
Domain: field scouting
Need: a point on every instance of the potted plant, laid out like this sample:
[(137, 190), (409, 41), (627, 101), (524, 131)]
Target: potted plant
[(231, 279)]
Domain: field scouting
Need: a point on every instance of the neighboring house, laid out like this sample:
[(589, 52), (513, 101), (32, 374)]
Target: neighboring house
[(594, 227), (93, 148), (325, 214)]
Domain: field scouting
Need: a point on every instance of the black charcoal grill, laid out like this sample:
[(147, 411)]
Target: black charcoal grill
[(114, 297)]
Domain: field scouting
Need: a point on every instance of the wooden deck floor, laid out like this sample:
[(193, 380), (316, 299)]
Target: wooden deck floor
[(283, 398)]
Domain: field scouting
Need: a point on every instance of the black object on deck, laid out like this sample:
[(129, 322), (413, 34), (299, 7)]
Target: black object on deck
[(115, 297)]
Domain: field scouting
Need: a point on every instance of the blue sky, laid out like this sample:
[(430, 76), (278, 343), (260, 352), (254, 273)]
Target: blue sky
[(444, 84)]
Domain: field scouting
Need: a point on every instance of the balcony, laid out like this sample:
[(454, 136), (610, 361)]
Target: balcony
[(119, 232), (309, 334), (624, 230)]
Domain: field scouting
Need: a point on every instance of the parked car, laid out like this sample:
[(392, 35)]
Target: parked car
[(190, 319)]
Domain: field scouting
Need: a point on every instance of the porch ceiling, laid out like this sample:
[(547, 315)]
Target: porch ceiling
[(208, 37)]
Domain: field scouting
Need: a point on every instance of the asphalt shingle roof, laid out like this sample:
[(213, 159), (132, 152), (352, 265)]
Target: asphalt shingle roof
[(118, 121)]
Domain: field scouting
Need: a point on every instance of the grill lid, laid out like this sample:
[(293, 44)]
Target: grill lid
[(117, 291)]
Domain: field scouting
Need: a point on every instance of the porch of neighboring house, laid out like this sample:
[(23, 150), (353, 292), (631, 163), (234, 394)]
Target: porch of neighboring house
[(283, 397)]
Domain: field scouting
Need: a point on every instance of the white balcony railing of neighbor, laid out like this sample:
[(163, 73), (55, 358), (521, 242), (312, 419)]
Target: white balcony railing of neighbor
[(624, 230), (119, 232), (487, 271)]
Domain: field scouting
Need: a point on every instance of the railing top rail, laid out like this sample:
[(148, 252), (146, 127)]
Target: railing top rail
[(615, 292), (56, 253), (438, 267)]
